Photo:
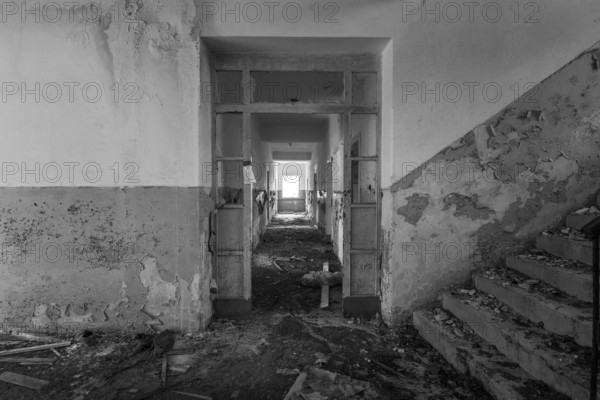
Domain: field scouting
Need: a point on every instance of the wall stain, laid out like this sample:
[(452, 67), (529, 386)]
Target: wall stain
[(413, 211)]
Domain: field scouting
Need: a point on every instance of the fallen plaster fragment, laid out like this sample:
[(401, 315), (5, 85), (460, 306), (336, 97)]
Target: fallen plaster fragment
[(180, 363), (23, 380)]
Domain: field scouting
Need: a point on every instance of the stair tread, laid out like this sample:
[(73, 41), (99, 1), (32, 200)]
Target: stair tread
[(551, 261), (567, 243), (559, 355), (570, 277), (536, 289), (578, 219), (539, 302), (567, 234), (470, 354)]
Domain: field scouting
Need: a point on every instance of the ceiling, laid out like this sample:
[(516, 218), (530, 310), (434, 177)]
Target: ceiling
[(292, 128), (289, 136), (312, 45)]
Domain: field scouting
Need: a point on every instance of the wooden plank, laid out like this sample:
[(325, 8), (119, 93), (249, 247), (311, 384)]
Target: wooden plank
[(14, 331), (195, 396), (34, 348), (163, 372), (25, 360), (325, 289), (278, 267), (295, 108), (297, 386), (364, 62), (23, 380)]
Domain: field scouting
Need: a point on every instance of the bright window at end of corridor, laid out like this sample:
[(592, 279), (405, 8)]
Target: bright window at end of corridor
[(290, 188)]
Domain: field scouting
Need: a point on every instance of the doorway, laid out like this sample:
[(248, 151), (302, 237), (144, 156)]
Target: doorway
[(345, 87)]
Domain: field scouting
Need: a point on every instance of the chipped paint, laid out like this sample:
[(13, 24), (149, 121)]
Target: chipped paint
[(95, 285), (491, 192), (413, 211), (162, 296)]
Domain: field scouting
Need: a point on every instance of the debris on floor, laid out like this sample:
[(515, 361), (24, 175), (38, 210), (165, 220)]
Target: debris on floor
[(319, 384), (23, 380), (322, 278), (287, 334)]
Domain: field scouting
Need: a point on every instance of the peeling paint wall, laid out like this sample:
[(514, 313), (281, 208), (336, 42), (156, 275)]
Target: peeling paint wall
[(492, 191), (104, 199), (150, 127), (119, 257), (106, 84)]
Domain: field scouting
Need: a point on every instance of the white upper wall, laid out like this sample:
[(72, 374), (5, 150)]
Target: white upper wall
[(477, 45), (154, 57), (133, 114)]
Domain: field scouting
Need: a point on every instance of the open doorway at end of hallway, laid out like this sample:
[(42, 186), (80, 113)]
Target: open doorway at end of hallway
[(291, 248)]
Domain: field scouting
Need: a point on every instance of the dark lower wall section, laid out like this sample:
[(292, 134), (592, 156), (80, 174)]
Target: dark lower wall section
[(130, 257), (291, 205), (491, 192)]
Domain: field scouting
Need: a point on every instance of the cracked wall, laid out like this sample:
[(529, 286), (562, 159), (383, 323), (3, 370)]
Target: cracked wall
[(98, 182), (126, 258), (489, 193)]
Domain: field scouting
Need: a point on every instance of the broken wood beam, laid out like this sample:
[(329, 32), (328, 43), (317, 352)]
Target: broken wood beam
[(382, 365), (196, 396), (23, 380), (298, 383), (27, 336), (278, 267), (163, 372), (28, 360), (34, 348)]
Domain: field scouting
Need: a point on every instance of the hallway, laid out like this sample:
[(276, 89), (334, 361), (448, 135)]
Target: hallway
[(297, 247)]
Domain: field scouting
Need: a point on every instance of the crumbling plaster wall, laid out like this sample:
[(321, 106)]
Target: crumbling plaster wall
[(428, 49), (124, 257), (492, 191), (112, 175)]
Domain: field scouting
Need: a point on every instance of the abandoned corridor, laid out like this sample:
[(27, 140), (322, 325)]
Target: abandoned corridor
[(297, 247)]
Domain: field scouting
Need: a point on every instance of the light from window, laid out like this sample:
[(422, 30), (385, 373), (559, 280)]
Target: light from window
[(290, 188)]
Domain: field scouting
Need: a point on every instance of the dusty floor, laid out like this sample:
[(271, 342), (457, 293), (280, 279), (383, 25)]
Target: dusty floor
[(261, 357)]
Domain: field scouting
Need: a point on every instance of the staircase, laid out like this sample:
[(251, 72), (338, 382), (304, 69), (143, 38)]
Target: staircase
[(525, 330)]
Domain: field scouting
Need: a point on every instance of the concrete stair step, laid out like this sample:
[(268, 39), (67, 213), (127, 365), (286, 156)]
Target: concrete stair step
[(560, 246), (577, 221), (557, 361), (502, 379), (539, 303), (570, 277)]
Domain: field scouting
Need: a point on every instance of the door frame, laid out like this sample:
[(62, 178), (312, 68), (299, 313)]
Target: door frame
[(346, 64)]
